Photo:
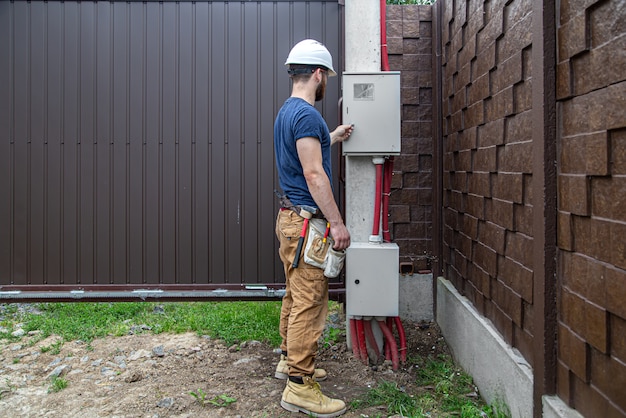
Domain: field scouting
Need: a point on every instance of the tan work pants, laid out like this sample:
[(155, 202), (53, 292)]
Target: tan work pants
[(305, 304)]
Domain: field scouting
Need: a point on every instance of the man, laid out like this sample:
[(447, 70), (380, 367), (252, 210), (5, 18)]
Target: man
[(302, 143)]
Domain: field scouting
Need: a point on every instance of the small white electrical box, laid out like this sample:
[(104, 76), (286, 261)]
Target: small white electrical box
[(372, 284), (371, 101)]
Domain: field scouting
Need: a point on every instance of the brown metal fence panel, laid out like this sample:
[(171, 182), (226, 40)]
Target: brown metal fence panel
[(136, 140)]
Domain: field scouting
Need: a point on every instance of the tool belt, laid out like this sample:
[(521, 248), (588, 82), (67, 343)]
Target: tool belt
[(319, 252), (285, 204)]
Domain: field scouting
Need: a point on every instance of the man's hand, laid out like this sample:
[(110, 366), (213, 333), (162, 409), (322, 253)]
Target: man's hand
[(341, 133), (340, 234)]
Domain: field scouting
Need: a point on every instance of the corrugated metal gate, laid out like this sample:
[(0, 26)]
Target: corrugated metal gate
[(136, 145)]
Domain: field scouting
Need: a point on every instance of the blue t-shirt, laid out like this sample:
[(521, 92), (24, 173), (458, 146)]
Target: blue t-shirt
[(298, 119)]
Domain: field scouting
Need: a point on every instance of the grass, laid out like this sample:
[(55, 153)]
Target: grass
[(232, 322), (446, 391)]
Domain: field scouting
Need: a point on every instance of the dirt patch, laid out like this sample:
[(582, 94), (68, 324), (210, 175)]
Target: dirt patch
[(146, 375)]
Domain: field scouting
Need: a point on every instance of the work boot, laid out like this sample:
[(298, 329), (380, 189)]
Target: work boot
[(282, 370), (308, 398)]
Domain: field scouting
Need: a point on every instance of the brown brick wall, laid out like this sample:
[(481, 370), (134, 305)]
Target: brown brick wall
[(409, 40), (591, 90), (487, 162)]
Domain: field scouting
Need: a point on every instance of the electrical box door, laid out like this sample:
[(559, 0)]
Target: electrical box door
[(371, 101), (372, 283)]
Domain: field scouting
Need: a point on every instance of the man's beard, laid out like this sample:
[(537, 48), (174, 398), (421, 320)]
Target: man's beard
[(321, 90)]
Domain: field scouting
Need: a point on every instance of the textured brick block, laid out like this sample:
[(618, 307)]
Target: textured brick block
[(467, 53), (507, 300), (502, 322), (522, 96), (486, 258), (517, 277), (469, 226), (468, 139), (590, 402), (523, 219), (586, 154), (481, 279), (571, 8), (394, 29), (507, 73), (605, 193), (499, 105), (599, 67), (394, 12), (518, 37), (562, 380), (479, 184), (582, 114), (587, 320), (479, 90), (475, 206), (410, 96), (519, 247), (618, 338), (618, 245), (574, 195), (458, 102), (564, 86), (593, 237), (518, 128), (410, 28), (572, 37), (485, 159), (400, 213), (410, 129), (463, 76), (585, 276), (609, 376), (524, 341), (406, 163), (515, 11), (507, 186), (396, 46), (618, 151), (491, 133), (485, 61), (474, 115), (596, 325), (463, 160), (494, 27), (499, 212), (565, 236), (572, 351), (616, 291), (607, 22), (458, 181), (515, 157), (492, 235)]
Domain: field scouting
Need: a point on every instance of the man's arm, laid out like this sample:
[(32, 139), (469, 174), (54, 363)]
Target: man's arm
[(310, 154)]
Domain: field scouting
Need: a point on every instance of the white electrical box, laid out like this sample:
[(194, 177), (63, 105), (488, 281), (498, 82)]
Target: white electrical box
[(372, 284), (371, 101)]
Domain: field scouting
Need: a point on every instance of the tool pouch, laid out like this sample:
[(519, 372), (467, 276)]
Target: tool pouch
[(321, 254)]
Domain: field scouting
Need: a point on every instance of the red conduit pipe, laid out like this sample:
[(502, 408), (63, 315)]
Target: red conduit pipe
[(402, 337), (392, 344), (383, 35), (361, 337), (388, 170), (377, 197), (355, 339), (369, 338)]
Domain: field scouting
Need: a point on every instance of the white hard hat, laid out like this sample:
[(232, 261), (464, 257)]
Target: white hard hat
[(311, 52)]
